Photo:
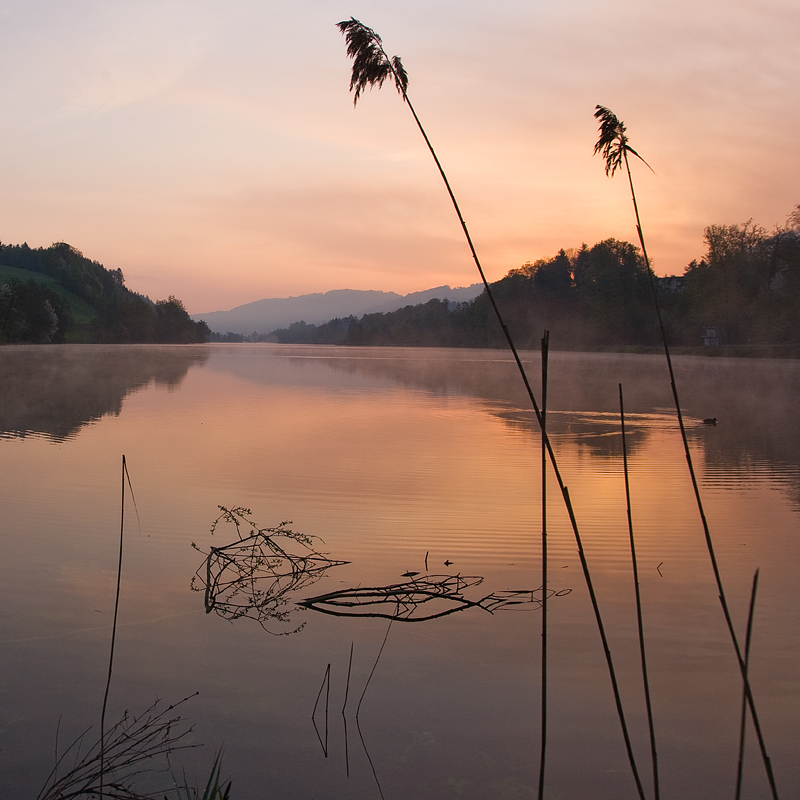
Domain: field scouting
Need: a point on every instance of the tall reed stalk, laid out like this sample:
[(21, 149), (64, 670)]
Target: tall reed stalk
[(543, 734), (743, 715), (639, 622), (613, 145), (125, 475), (372, 67), (114, 624)]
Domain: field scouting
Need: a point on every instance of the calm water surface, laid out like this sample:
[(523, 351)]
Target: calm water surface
[(392, 457)]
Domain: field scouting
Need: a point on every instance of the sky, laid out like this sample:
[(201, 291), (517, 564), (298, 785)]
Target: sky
[(212, 151)]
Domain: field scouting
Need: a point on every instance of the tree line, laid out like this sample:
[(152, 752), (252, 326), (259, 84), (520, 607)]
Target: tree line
[(70, 298), (744, 291)]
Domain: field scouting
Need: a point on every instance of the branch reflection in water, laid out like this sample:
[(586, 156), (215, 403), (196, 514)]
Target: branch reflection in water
[(255, 575), (420, 599)]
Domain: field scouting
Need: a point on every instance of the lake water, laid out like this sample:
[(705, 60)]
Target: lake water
[(401, 461)]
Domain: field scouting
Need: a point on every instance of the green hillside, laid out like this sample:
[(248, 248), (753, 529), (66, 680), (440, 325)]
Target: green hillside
[(56, 294), (82, 313)]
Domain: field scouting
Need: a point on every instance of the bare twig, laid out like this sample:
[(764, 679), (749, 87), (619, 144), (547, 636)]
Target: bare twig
[(372, 671), (128, 749), (344, 706)]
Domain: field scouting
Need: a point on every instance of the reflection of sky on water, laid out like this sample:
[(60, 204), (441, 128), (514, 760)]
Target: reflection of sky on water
[(754, 399), (388, 461)]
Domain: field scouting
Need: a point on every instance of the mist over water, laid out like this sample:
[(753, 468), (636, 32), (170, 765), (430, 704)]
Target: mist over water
[(392, 455)]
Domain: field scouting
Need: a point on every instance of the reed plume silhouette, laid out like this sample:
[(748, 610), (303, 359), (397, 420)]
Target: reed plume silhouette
[(613, 145), (373, 67)]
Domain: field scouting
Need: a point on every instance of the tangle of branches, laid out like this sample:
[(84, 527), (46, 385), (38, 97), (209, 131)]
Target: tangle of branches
[(255, 575), (422, 598)]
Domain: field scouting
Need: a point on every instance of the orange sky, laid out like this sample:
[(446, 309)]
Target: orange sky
[(212, 151)]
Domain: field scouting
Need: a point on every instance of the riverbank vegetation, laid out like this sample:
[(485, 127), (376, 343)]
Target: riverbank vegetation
[(56, 294), (742, 296)]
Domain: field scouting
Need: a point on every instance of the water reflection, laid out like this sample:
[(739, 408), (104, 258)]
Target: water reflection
[(422, 598), (598, 434), (54, 391), (387, 470), (326, 687), (256, 575), (753, 400)]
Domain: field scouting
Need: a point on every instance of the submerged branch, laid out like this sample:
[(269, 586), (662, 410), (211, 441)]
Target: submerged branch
[(425, 598)]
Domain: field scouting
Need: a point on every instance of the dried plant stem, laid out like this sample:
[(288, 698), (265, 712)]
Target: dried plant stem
[(128, 747), (369, 759), (326, 684), (640, 625), (698, 499), (113, 626), (743, 721), (372, 671), (347, 685), (364, 45), (543, 734), (358, 709), (344, 706)]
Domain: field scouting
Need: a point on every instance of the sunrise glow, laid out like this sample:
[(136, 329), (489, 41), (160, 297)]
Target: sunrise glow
[(214, 152)]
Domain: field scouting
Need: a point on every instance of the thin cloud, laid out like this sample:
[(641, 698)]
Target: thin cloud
[(169, 137)]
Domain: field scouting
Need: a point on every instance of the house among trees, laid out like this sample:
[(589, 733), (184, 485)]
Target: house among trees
[(712, 337), (671, 284)]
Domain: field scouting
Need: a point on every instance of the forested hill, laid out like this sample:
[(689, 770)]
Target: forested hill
[(744, 291), (56, 294)]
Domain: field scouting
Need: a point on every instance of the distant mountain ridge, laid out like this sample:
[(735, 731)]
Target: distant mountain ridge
[(265, 316)]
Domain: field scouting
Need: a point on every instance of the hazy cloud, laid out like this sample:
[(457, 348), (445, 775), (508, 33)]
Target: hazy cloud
[(170, 137)]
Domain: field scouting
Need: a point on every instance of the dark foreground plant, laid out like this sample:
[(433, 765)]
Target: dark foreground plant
[(613, 145), (125, 475), (372, 67), (638, 596), (743, 716), (110, 764), (543, 690), (215, 790)]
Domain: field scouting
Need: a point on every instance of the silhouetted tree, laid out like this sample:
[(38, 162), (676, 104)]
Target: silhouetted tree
[(613, 290), (29, 312), (175, 326)]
